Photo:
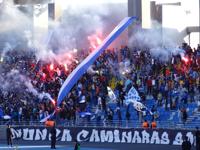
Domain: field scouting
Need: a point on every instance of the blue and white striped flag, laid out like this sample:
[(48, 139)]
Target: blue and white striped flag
[(48, 117), (78, 72), (134, 98)]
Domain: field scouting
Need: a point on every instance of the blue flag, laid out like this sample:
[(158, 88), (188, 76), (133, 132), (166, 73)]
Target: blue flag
[(134, 98), (82, 67)]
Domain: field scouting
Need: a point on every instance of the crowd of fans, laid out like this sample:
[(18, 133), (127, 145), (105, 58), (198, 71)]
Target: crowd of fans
[(29, 84)]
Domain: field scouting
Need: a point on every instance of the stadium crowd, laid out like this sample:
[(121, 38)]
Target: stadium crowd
[(28, 84)]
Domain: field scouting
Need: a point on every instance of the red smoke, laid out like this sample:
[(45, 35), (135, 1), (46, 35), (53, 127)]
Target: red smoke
[(95, 40)]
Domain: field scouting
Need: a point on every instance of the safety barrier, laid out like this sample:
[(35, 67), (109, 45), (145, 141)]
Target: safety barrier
[(107, 124)]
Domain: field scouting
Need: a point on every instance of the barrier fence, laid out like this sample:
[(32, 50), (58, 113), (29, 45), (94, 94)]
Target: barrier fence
[(106, 124)]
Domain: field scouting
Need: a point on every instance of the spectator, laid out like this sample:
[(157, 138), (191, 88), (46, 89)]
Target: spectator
[(175, 84), (77, 145), (9, 136), (110, 116), (118, 112), (53, 137), (145, 124), (184, 114), (153, 124), (186, 145)]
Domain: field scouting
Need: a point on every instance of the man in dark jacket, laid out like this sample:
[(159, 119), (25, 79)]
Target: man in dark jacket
[(186, 145), (9, 135), (77, 145), (53, 137)]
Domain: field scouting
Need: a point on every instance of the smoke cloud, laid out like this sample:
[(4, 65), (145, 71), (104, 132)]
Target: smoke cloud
[(14, 81), (71, 31), (78, 22), (160, 44), (15, 24)]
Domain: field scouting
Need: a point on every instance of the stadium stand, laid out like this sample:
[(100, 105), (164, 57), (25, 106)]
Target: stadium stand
[(169, 89)]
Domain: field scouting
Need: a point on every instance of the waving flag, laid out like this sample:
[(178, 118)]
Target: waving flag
[(134, 98), (139, 106), (111, 95), (7, 117), (82, 67), (84, 114), (48, 117)]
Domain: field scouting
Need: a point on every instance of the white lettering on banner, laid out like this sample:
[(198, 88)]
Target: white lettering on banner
[(94, 136), (66, 136), (116, 136), (155, 138), (126, 138), (106, 136), (178, 139), (57, 134), (40, 135), (16, 133), (165, 138), (83, 134), (28, 134), (145, 136), (136, 137), (190, 137)]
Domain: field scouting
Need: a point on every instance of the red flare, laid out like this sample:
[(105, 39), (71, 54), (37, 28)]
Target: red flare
[(185, 59), (44, 75), (95, 40), (99, 41), (66, 68), (51, 67), (53, 102)]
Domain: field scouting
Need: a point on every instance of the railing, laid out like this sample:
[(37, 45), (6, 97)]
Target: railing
[(107, 124)]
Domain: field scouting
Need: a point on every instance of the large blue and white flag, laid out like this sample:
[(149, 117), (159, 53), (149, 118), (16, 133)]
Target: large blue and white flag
[(84, 65)]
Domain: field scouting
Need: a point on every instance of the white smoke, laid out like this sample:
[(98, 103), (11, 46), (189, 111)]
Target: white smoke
[(11, 17), (70, 31), (14, 81), (15, 25), (76, 24), (161, 45)]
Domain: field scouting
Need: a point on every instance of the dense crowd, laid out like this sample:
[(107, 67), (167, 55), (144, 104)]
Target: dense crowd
[(30, 87)]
